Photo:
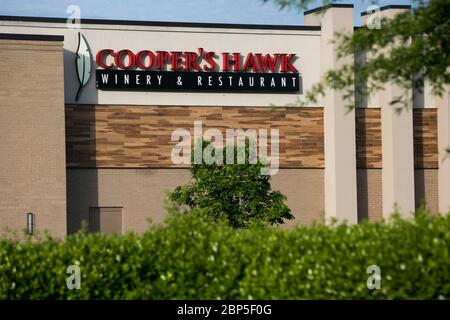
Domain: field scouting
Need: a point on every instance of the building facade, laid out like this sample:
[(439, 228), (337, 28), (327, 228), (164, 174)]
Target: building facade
[(88, 116)]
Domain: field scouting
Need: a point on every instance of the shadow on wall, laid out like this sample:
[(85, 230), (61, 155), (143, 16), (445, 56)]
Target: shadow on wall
[(82, 192), (362, 195), (420, 188), (419, 174), (425, 166), (362, 179)]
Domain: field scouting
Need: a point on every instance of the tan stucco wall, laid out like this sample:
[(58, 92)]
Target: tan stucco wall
[(32, 147), (141, 193), (339, 122)]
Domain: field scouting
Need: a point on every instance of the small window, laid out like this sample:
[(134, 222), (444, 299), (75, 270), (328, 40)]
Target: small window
[(105, 219)]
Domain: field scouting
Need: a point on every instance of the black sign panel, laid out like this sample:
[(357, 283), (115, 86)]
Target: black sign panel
[(197, 81)]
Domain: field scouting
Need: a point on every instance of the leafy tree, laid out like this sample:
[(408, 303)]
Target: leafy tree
[(237, 193), (413, 43)]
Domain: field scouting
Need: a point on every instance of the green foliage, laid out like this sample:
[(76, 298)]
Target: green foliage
[(238, 193), (406, 50), (192, 258)]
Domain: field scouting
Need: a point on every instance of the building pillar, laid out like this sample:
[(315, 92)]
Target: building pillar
[(339, 120), (442, 104), (397, 145), (397, 142), (443, 123)]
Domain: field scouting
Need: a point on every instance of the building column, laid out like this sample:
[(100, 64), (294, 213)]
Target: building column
[(442, 104), (339, 120), (443, 119), (397, 143)]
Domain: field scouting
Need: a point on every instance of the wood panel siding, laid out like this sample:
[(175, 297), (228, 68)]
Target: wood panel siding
[(106, 136), (368, 138), (425, 139)]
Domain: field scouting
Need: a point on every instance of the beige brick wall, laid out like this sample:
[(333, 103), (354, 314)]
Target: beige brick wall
[(370, 204), (141, 193), (369, 192), (32, 147), (304, 189), (426, 189)]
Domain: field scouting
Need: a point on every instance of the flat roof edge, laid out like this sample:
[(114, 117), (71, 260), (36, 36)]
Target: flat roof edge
[(162, 23), (39, 37), (393, 6), (327, 6)]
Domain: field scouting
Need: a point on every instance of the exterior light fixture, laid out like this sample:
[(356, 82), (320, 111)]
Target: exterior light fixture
[(30, 223)]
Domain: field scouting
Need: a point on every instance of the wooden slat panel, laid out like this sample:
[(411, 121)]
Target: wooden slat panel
[(368, 138), (139, 136), (425, 138)]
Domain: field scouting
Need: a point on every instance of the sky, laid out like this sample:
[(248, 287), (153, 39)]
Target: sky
[(218, 11)]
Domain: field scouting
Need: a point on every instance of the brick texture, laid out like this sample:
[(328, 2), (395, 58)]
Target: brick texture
[(426, 189), (32, 157), (142, 193), (370, 205)]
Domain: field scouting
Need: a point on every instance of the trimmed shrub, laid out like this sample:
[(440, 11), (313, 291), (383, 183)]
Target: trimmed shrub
[(192, 258)]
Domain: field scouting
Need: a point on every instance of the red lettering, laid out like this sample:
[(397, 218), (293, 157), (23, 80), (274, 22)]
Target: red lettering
[(190, 61), (227, 62), (162, 58), (176, 60), (179, 60), (286, 63), (267, 62), (250, 63), (102, 54), (140, 63), (118, 59), (209, 58)]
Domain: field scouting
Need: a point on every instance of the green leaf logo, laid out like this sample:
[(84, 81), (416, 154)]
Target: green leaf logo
[(83, 63)]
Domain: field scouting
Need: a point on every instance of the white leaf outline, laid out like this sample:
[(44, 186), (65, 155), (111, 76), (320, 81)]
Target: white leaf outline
[(82, 63)]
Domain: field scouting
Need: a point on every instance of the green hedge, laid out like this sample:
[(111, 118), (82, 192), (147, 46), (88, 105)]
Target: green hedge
[(191, 258)]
